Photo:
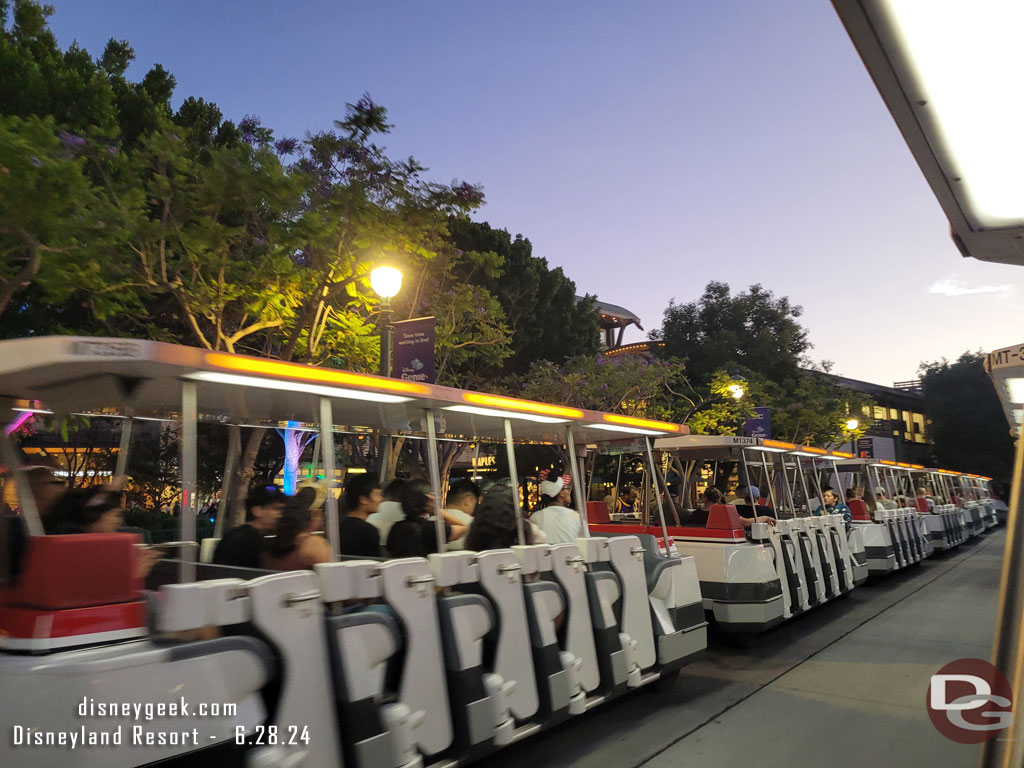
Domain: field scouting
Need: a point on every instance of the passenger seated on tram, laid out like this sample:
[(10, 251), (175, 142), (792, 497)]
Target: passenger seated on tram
[(710, 497), (415, 535), (46, 488), (560, 523), (294, 547), (739, 496), (752, 511), (95, 510), (626, 504), (833, 506), (609, 503), (883, 502), (388, 511), (242, 546), (357, 537), (460, 505), (494, 523)]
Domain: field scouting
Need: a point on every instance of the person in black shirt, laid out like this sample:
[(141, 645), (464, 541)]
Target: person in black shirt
[(242, 546), (356, 536), (416, 535), (753, 511)]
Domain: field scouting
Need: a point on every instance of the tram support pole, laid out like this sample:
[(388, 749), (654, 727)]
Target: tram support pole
[(234, 451), (327, 445), (1007, 749), (434, 467), (581, 498), (124, 446), (513, 473), (660, 476), (657, 496), (189, 466)]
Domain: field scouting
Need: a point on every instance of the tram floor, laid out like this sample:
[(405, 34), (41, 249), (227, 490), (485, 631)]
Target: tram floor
[(844, 685)]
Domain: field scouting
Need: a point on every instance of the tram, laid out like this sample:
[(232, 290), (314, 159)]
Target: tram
[(755, 575), (363, 663), (897, 536)]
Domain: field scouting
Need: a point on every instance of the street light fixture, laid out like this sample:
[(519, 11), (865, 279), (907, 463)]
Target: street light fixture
[(852, 425), (738, 387), (386, 283)]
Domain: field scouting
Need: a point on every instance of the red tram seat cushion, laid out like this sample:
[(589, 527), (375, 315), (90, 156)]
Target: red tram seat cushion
[(76, 571), (922, 505), (597, 512), (858, 509), (724, 517)]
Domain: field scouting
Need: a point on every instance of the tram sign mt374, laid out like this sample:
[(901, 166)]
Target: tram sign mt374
[(970, 701)]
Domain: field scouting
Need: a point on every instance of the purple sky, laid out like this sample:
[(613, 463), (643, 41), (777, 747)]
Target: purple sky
[(646, 148)]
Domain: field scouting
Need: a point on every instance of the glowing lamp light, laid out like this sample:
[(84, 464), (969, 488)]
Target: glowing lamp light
[(386, 281), (852, 425), (737, 387)]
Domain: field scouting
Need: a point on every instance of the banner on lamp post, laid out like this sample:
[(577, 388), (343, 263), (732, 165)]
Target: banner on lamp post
[(760, 424), (414, 350)]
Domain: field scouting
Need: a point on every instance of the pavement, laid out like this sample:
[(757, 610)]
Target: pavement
[(844, 685)]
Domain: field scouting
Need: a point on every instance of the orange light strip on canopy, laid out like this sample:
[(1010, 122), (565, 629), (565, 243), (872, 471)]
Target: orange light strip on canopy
[(904, 465), (630, 421), (779, 444), (297, 372), (527, 406), (887, 462), (842, 454), (917, 466), (812, 449)]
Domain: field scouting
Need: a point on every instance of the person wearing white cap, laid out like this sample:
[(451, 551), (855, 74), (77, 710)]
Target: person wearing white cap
[(560, 524)]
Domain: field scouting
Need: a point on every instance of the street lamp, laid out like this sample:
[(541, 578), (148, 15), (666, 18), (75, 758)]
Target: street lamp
[(737, 387), (852, 425), (386, 282)]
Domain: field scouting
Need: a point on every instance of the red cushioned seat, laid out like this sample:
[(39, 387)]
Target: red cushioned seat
[(73, 591), (597, 512), (858, 509), (76, 571), (723, 517)]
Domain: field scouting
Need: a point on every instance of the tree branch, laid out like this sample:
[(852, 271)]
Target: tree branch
[(23, 277)]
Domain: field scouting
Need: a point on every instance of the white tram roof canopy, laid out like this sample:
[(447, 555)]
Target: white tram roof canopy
[(73, 374), (1006, 367), (950, 74), (729, 447)]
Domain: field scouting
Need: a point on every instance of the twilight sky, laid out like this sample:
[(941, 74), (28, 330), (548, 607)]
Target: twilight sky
[(645, 147)]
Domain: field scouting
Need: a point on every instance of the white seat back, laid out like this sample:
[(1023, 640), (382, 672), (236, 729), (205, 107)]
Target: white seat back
[(500, 579)]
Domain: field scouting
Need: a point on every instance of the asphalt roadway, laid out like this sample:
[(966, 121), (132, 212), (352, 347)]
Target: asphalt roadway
[(844, 685)]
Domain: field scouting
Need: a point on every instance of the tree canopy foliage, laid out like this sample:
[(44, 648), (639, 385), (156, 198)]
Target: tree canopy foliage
[(968, 439), (757, 335)]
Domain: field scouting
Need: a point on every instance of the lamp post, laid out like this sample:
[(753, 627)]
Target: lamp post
[(386, 282)]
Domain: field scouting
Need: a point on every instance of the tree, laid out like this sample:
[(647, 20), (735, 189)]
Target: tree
[(974, 439), (471, 334), (756, 335), (751, 331), (47, 211), (541, 310)]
